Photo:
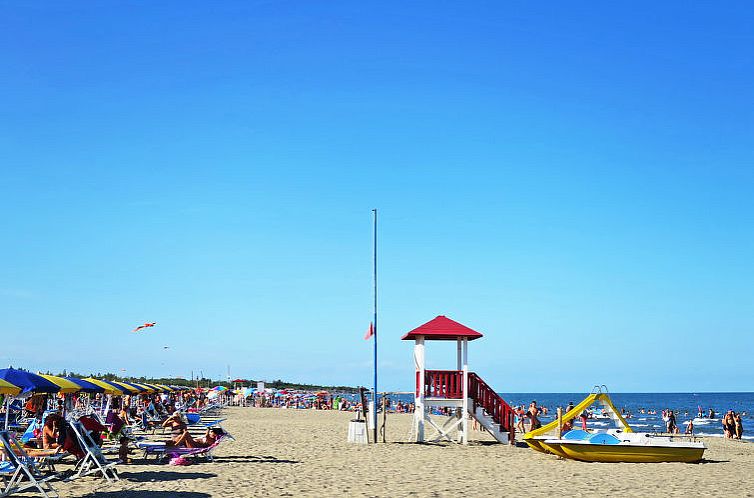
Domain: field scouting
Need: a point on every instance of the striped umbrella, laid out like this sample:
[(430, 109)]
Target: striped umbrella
[(8, 388), (144, 388), (65, 385), (127, 388), (86, 386), (27, 381), (106, 386)]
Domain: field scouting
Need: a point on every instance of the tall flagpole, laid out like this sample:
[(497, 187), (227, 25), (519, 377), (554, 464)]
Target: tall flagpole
[(374, 395)]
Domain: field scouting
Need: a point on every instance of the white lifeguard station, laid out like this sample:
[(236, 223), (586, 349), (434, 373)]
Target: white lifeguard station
[(462, 391)]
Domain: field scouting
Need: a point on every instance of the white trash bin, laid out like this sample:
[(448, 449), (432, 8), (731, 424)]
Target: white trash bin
[(357, 432)]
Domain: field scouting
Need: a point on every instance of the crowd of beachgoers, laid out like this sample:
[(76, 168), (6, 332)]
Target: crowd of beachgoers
[(316, 400), (92, 427)]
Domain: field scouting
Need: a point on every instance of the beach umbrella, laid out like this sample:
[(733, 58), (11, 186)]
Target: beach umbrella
[(106, 386), (27, 381), (86, 386), (141, 387), (126, 387), (65, 385), (8, 388)]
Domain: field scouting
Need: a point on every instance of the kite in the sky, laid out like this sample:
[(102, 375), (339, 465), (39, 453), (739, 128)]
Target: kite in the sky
[(144, 326)]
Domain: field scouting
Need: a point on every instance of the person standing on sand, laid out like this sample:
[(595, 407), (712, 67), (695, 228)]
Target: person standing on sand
[(739, 426), (729, 425), (533, 416), (520, 414)]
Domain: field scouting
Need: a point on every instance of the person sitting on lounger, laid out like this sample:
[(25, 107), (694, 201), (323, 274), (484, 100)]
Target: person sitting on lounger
[(210, 438), (51, 431), (176, 425)]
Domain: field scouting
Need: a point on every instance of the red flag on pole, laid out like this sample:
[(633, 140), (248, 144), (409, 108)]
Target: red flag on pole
[(144, 326), (370, 332)]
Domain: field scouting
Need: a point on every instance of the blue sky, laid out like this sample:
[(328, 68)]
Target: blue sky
[(574, 181)]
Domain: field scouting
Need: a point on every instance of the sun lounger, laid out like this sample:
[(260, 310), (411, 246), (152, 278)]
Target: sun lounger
[(94, 460), (162, 450), (20, 471)]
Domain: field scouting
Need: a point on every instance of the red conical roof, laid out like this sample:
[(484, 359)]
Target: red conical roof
[(442, 328)]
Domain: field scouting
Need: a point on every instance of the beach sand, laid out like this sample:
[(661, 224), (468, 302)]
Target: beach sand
[(281, 452)]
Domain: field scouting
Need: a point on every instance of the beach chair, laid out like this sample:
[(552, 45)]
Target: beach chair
[(162, 451), (20, 471), (94, 460)]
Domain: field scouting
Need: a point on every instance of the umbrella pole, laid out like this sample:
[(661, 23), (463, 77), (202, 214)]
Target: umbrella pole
[(7, 411)]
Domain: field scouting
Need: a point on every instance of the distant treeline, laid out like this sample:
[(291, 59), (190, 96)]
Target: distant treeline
[(180, 381)]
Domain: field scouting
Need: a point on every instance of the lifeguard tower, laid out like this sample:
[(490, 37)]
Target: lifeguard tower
[(463, 391)]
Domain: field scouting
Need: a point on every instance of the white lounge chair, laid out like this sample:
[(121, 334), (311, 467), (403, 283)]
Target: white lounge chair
[(20, 472), (94, 460)]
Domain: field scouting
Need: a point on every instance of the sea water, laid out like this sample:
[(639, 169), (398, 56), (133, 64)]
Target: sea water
[(684, 405)]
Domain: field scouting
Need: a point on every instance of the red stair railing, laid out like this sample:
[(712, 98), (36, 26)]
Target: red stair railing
[(491, 402), (448, 384)]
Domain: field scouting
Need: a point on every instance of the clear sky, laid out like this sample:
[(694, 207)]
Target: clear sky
[(574, 180)]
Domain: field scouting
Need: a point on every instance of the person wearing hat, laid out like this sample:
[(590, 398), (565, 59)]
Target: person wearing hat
[(176, 424)]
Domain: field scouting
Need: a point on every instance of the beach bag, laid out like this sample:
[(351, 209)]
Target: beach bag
[(179, 460)]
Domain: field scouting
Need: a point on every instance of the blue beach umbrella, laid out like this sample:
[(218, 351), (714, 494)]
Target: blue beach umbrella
[(27, 381), (86, 386), (139, 388)]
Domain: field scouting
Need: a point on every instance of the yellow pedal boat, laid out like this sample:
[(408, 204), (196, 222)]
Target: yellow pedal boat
[(629, 447)]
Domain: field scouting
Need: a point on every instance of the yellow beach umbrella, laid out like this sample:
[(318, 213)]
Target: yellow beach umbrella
[(109, 388), (65, 385), (8, 388), (126, 388)]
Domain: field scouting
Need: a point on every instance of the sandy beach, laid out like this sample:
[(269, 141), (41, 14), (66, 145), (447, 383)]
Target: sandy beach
[(281, 452)]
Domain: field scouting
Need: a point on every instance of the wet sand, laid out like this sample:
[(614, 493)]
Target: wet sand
[(281, 452)]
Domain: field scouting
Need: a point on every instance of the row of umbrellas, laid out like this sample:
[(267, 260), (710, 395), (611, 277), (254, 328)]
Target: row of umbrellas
[(14, 382)]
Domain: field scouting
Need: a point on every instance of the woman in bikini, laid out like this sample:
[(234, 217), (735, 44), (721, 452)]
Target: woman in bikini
[(176, 425), (210, 438), (51, 431)]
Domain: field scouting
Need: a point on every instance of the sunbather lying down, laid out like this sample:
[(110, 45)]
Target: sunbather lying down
[(35, 452), (185, 439)]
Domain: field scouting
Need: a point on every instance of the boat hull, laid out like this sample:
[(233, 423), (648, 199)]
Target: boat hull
[(631, 454), (555, 449), (535, 444)]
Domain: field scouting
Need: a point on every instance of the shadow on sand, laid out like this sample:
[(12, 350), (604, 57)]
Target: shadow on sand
[(148, 494), (162, 475), (252, 459)]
